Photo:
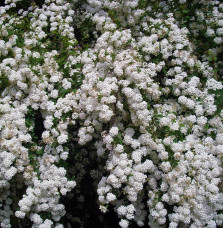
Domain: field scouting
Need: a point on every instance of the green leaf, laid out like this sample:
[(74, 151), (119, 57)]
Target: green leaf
[(30, 15), (39, 152), (185, 11), (4, 82)]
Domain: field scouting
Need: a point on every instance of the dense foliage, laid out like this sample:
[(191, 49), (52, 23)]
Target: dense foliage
[(111, 113)]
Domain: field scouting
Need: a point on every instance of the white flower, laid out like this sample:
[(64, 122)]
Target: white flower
[(213, 84), (103, 209), (20, 214), (165, 166), (110, 197), (66, 84), (64, 155), (36, 219), (218, 40), (62, 138), (210, 32), (10, 173), (124, 223), (113, 131), (130, 209), (119, 148)]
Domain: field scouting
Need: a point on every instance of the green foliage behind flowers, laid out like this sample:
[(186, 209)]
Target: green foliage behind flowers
[(111, 113)]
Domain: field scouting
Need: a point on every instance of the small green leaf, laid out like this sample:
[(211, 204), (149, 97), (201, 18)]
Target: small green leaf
[(185, 11), (39, 152), (182, 125)]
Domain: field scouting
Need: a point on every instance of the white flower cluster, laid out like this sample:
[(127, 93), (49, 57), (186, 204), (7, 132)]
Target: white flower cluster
[(132, 87)]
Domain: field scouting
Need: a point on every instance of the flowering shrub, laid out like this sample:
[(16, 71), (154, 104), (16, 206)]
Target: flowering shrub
[(111, 105)]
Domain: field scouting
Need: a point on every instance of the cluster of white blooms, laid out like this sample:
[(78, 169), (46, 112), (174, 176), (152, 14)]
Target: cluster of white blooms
[(126, 94), (33, 81)]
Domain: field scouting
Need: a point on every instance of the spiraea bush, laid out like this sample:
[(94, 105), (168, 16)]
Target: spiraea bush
[(111, 113)]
